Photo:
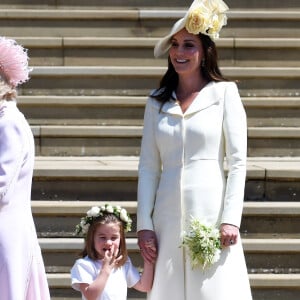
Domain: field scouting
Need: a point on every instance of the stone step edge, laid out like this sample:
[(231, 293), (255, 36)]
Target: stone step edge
[(253, 245), (142, 14), (154, 71), (128, 131), (79, 208), (140, 101), (104, 167), (62, 280), (149, 42)]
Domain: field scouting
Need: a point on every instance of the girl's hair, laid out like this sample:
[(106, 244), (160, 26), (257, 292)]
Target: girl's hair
[(209, 70), (89, 247)]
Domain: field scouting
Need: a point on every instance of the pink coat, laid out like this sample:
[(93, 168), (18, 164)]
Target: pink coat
[(22, 271)]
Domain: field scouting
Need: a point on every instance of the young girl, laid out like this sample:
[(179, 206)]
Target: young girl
[(105, 271)]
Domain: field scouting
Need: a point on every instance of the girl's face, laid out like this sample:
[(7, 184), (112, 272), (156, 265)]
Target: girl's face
[(107, 238), (186, 52)]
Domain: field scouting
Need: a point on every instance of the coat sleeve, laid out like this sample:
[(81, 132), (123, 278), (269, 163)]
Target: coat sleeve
[(149, 170), (235, 132), (10, 156)]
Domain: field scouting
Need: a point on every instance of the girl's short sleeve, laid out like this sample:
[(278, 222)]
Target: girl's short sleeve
[(82, 272), (132, 274)]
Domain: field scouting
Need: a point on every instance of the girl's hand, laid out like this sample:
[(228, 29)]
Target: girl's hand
[(111, 259), (229, 235)]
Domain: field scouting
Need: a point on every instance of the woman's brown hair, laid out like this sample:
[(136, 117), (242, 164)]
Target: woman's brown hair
[(209, 69)]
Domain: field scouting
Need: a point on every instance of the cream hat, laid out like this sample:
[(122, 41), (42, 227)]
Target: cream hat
[(204, 16)]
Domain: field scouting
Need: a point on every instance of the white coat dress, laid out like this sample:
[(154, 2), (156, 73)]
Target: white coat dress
[(22, 272), (181, 174)]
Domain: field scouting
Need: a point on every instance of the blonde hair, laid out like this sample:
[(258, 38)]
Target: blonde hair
[(7, 92)]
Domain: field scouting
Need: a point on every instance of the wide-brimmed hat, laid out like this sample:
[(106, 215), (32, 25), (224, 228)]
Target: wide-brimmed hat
[(204, 16)]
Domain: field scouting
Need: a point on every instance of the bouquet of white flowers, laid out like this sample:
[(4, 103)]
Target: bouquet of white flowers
[(202, 243)]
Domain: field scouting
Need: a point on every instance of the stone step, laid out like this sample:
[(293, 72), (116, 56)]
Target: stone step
[(137, 80), (128, 51), (278, 261), (90, 140), (78, 208), (67, 4), (274, 141), (115, 177), (266, 254), (140, 22), (230, 3), (129, 110), (58, 218), (264, 286), (272, 111)]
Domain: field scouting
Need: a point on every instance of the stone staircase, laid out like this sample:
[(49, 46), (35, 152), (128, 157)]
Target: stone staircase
[(93, 68)]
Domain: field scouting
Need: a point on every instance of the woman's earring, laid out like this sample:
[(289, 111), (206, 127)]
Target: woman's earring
[(203, 63)]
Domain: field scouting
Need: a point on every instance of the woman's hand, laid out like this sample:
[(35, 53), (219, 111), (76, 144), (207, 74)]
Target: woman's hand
[(148, 244), (229, 235)]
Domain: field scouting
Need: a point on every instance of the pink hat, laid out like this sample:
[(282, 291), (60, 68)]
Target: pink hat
[(204, 16), (13, 62)]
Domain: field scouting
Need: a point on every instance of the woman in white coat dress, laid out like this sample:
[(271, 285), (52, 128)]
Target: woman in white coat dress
[(22, 272), (192, 122)]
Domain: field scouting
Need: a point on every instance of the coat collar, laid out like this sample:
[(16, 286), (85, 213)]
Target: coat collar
[(207, 96)]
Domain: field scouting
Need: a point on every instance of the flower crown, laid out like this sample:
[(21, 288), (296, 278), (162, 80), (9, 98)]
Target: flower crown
[(13, 62), (206, 17), (96, 212)]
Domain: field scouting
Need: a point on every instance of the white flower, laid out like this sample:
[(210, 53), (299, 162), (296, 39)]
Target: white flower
[(123, 215), (109, 209), (218, 21), (217, 256), (84, 226), (206, 17), (197, 21), (93, 212)]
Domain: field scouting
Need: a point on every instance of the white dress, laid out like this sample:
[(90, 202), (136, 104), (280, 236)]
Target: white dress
[(22, 272), (181, 175), (85, 270)]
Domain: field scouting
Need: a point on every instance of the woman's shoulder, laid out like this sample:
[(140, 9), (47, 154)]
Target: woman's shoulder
[(224, 84), (222, 88), (10, 115), (151, 101), (7, 107)]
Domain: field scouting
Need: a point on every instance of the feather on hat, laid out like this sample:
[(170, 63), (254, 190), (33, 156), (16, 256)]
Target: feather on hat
[(13, 62)]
